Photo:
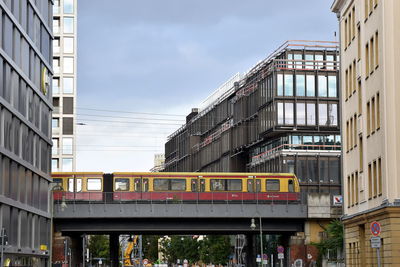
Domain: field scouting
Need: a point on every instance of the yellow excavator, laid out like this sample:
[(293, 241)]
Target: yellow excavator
[(128, 251)]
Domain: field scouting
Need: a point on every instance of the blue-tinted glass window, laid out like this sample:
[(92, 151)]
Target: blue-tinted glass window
[(332, 86), (68, 25), (280, 85), (288, 85), (310, 85), (300, 85), (322, 86), (68, 6)]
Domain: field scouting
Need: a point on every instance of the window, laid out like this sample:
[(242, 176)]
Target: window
[(379, 177), (55, 123), (93, 184), (298, 60), (375, 178), (378, 112), (54, 149), (309, 61), (310, 85), (371, 55), (67, 146), (56, 85), (347, 87), (54, 165), (373, 114), (351, 132), (322, 86), (217, 185), (332, 88), (290, 186), (300, 85), (68, 65), (358, 42), (346, 33), (323, 114), (68, 85), (328, 114), (121, 184), (321, 59), (311, 114), (361, 149), (330, 64), (355, 130), (68, 6), (56, 7), (369, 181), (367, 60), (68, 45), (56, 45), (272, 185), (178, 184), (376, 50), (280, 85), (347, 136), (301, 113), (288, 85), (289, 114), (354, 80), (348, 191), (56, 65), (234, 184), (161, 185), (359, 98), (67, 165), (280, 113), (68, 25), (56, 25), (137, 184), (368, 118)]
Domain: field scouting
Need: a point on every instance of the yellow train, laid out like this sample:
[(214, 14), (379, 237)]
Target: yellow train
[(185, 186)]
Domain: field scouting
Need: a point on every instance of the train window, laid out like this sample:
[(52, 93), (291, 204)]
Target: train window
[(137, 185), (93, 184), (272, 185), (202, 185), (57, 184), (258, 185), (160, 184), (121, 184), (146, 185), (78, 185), (250, 187), (217, 184), (193, 185), (290, 185), (234, 184), (71, 185), (178, 184)]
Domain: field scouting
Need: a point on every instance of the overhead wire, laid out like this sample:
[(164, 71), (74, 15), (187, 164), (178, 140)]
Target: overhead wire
[(133, 112)]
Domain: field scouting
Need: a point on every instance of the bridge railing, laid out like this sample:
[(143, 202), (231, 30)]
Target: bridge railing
[(179, 197)]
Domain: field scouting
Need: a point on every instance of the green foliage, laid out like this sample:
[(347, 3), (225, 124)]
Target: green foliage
[(150, 247), (215, 249), (333, 240), (180, 247), (99, 246)]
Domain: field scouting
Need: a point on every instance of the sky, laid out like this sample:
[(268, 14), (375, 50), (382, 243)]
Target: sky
[(143, 64)]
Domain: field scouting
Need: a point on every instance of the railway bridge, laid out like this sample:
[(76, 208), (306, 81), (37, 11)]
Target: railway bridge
[(75, 218)]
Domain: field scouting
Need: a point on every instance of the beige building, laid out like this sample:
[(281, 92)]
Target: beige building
[(370, 94), (64, 85)]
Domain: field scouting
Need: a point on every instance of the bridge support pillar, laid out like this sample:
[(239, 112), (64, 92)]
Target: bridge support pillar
[(250, 251), (114, 245), (76, 250)]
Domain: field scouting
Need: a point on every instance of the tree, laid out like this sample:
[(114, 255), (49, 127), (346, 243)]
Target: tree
[(333, 240), (99, 246), (215, 249), (180, 247), (150, 247)]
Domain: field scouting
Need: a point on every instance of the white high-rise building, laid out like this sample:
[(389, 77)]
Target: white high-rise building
[(64, 85)]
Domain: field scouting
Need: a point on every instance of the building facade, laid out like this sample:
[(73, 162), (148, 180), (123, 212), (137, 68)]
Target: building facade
[(64, 85), (370, 67), (25, 133), (281, 116)]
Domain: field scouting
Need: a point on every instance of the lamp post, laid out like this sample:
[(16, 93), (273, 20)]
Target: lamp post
[(253, 227)]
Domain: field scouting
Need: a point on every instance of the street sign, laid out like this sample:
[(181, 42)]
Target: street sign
[(376, 242), (338, 200), (265, 256), (280, 249), (375, 228), (281, 256)]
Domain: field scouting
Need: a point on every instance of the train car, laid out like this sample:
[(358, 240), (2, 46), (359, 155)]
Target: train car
[(182, 186), (85, 186)]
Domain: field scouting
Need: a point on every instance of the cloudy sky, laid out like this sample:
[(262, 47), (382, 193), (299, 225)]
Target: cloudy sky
[(143, 64)]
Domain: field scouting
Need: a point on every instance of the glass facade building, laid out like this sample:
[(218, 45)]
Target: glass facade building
[(64, 85), (25, 132), (282, 116)]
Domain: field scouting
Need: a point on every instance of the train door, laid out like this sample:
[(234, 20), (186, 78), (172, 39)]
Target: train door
[(198, 185), (74, 186)]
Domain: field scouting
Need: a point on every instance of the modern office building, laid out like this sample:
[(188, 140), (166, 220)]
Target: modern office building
[(25, 133), (370, 68), (159, 160), (281, 116), (64, 85)]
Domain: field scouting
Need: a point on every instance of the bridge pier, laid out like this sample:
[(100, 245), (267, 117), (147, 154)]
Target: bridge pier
[(250, 251), (114, 246)]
